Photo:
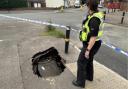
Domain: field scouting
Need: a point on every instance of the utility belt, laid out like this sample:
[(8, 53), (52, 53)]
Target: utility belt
[(85, 43), (83, 36)]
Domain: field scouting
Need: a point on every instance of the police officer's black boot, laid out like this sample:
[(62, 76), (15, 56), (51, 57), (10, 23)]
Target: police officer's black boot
[(89, 79), (76, 83)]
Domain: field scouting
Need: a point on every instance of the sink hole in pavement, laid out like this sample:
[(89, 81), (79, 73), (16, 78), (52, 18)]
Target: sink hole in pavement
[(50, 68), (48, 63)]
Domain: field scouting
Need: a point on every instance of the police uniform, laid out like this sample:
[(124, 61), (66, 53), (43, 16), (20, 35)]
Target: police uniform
[(91, 28)]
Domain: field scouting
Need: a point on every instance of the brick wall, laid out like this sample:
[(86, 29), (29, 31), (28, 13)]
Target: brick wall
[(124, 6)]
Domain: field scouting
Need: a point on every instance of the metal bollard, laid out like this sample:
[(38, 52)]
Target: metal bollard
[(122, 17), (114, 10), (81, 8), (104, 14), (108, 10), (67, 39), (62, 9)]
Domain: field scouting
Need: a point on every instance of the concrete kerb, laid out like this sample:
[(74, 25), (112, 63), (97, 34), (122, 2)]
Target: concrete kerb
[(103, 76), (78, 49)]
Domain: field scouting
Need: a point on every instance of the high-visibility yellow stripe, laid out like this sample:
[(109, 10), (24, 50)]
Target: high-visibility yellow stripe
[(84, 34), (67, 40)]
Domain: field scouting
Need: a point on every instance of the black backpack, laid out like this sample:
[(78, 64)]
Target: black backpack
[(47, 63)]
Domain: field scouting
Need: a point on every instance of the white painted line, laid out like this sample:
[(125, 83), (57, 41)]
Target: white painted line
[(1, 40), (113, 47), (11, 26), (124, 52), (75, 46), (74, 30)]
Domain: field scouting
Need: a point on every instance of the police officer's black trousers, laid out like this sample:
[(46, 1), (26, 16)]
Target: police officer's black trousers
[(85, 66)]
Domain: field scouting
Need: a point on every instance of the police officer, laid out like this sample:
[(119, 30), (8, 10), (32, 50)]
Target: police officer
[(90, 37)]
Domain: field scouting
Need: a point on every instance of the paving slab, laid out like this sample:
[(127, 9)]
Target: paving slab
[(17, 30), (104, 78), (10, 74), (28, 48)]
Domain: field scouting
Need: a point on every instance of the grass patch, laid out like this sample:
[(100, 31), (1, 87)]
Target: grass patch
[(52, 31)]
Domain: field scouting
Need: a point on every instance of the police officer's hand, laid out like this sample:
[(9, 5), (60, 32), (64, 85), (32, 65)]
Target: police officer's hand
[(87, 54)]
